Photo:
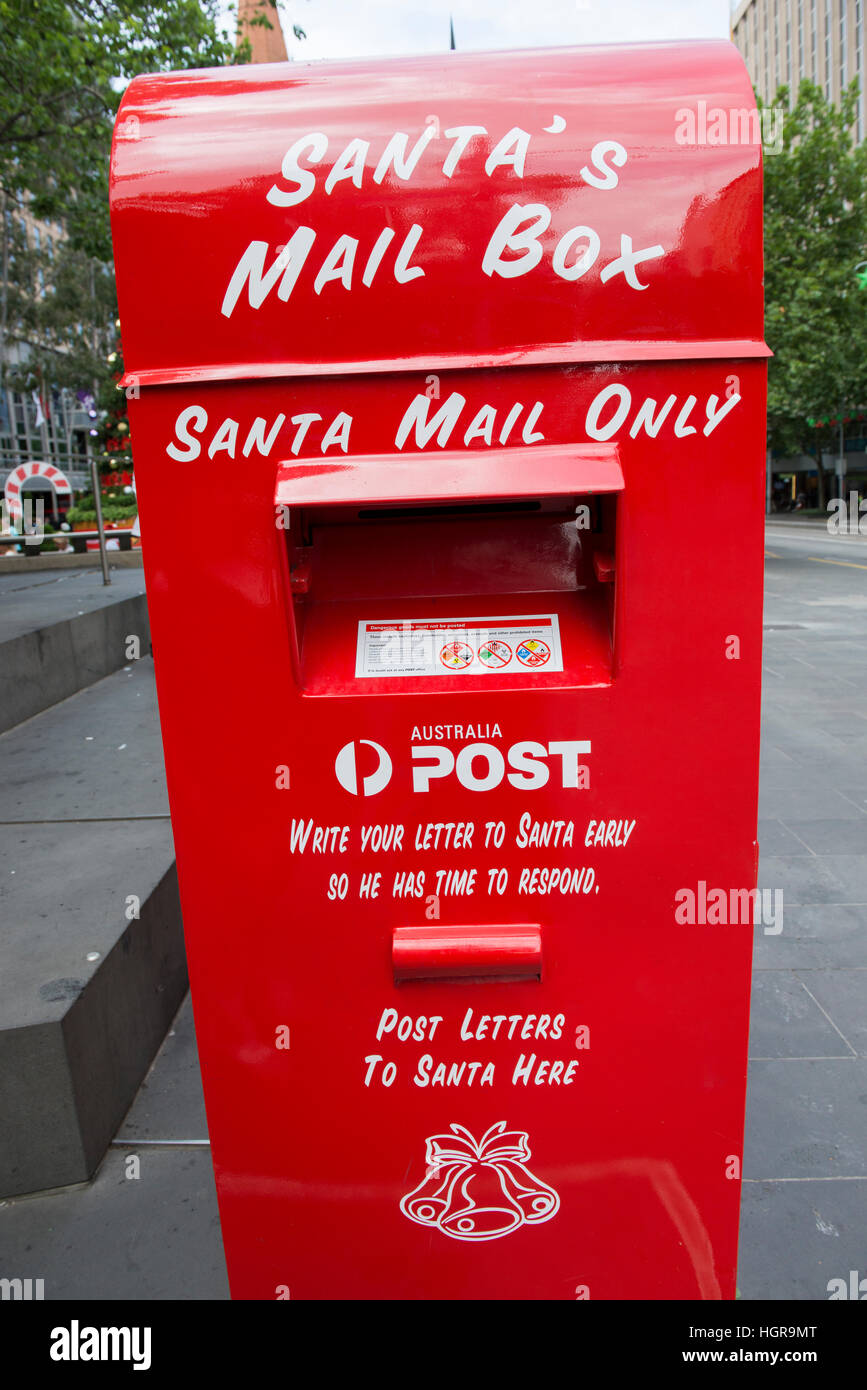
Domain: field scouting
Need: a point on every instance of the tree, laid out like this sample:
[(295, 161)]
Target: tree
[(62, 304), (815, 236), (63, 67)]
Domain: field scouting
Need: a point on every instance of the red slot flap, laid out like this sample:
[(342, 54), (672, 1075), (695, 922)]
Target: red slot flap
[(549, 470), (432, 953)]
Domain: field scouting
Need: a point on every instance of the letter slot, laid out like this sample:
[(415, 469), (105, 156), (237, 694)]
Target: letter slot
[(494, 569)]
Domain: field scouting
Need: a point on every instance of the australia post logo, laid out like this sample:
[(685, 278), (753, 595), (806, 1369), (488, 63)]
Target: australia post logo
[(346, 767), (365, 768)]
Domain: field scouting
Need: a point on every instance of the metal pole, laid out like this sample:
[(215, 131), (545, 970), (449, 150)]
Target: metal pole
[(94, 478), (769, 464)]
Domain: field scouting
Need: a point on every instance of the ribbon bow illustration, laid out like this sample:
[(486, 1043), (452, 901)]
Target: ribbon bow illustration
[(479, 1189)]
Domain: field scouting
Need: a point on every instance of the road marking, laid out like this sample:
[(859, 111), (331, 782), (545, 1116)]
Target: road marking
[(849, 564), (842, 1177), (771, 555)]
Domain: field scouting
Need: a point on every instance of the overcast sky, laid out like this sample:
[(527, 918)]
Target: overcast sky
[(362, 28)]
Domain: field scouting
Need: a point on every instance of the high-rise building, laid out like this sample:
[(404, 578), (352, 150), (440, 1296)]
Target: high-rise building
[(784, 41)]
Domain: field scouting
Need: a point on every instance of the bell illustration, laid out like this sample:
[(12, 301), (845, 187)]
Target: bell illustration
[(479, 1189)]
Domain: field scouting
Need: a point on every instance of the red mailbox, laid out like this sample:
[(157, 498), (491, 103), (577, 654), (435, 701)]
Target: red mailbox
[(459, 684)]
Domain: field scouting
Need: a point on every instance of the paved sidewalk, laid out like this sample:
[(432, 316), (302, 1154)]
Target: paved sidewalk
[(87, 990), (804, 1208), (154, 1235), (35, 599)]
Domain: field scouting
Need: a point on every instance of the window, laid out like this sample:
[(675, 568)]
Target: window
[(788, 76), (859, 64), (9, 222)]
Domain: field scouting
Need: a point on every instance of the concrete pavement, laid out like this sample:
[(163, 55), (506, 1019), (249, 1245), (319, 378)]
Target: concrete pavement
[(804, 1206), (61, 630)]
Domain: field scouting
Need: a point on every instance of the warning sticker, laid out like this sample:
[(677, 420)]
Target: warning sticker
[(526, 643), (456, 655), (534, 653), (495, 654)]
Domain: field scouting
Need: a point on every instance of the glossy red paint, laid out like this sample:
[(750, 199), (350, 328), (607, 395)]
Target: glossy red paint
[(436, 952), (376, 479), (496, 663)]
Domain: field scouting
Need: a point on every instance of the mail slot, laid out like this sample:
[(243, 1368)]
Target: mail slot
[(451, 534), (447, 397)]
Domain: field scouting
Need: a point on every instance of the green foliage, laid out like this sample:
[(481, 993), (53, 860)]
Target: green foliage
[(815, 237), (114, 446), (80, 514), (123, 503), (63, 67), (62, 303)]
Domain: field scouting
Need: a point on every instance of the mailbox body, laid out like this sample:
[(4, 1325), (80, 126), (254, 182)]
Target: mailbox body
[(459, 686)]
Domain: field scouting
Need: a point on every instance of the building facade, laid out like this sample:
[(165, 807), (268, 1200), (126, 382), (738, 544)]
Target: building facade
[(785, 41)]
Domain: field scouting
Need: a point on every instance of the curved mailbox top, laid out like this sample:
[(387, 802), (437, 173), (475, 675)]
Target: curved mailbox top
[(569, 205)]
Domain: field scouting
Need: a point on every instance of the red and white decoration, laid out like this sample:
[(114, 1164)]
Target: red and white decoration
[(21, 475)]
